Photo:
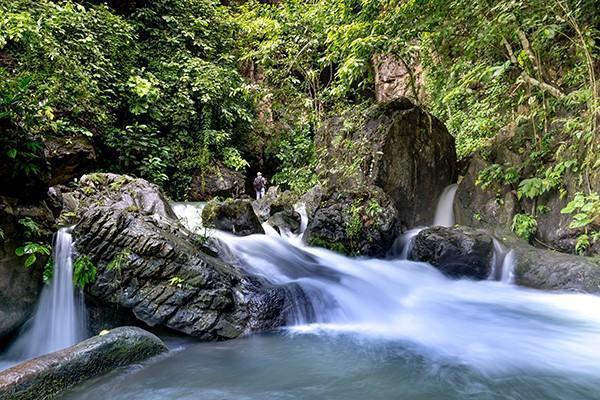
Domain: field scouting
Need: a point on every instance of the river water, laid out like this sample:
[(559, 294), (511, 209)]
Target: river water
[(382, 329)]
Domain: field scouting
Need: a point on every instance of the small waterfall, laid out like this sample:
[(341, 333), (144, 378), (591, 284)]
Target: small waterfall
[(403, 244), (444, 213), (190, 215), (508, 268), (60, 317)]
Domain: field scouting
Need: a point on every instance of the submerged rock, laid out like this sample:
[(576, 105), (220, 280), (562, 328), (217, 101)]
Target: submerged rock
[(232, 215), (459, 252), (46, 376), (354, 223), (149, 263)]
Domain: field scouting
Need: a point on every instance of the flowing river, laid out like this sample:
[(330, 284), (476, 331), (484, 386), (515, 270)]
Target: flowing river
[(381, 329)]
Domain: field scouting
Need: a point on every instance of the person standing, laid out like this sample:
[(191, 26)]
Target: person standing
[(260, 185)]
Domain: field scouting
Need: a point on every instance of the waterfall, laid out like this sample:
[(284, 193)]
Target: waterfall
[(444, 213), (508, 267), (190, 215), (60, 317), (483, 323)]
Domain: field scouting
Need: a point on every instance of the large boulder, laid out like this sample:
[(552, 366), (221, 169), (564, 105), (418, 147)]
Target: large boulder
[(551, 270), (396, 146), (68, 157), (459, 252), (20, 222), (232, 215), (217, 181), (354, 223), (492, 203), (149, 263), (46, 376)]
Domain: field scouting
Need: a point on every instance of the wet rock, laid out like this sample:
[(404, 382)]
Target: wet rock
[(20, 222), (354, 223), (459, 252), (478, 207), (396, 146), (286, 220), (46, 376), (551, 270), (232, 215), (218, 181), (312, 200), (69, 157), (149, 263)]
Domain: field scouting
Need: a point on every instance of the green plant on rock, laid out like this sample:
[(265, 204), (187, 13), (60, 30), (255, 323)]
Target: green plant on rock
[(32, 251), (354, 221), (48, 273), (116, 264), (84, 271), (586, 213), (524, 225), (31, 228), (177, 282)]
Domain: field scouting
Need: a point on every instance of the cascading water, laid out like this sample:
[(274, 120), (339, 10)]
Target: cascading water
[(60, 317), (444, 213), (384, 329), (190, 214)]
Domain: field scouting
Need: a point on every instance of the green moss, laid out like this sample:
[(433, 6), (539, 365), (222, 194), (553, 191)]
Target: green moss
[(326, 244)]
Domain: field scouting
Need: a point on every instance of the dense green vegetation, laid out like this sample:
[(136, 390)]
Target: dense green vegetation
[(170, 88)]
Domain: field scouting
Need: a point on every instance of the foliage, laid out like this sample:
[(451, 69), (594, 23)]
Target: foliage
[(524, 225), (296, 159), (586, 213), (84, 271), (116, 264), (32, 251), (176, 281), (31, 228)]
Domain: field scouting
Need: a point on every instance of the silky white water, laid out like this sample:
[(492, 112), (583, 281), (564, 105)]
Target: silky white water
[(444, 214), (59, 320), (383, 329)]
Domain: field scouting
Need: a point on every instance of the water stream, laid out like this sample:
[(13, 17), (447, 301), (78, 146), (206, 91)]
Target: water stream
[(59, 320), (383, 329)]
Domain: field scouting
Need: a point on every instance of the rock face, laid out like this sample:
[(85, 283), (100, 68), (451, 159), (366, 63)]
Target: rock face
[(458, 252), (396, 146), (148, 263), (46, 376), (69, 157), (236, 216), (286, 220), (395, 79), (494, 207), (362, 223), (20, 286), (551, 270), (218, 181)]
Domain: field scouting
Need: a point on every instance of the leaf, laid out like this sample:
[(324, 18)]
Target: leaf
[(30, 260), (11, 153), (20, 251)]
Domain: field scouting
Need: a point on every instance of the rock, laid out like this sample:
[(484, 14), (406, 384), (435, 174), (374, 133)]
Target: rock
[(312, 200), (218, 181), (551, 270), (262, 207), (477, 207), (46, 376), (354, 223), (69, 157), (20, 286), (149, 263), (395, 79), (287, 220), (459, 252), (396, 146), (236, 216), (495, 206)]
